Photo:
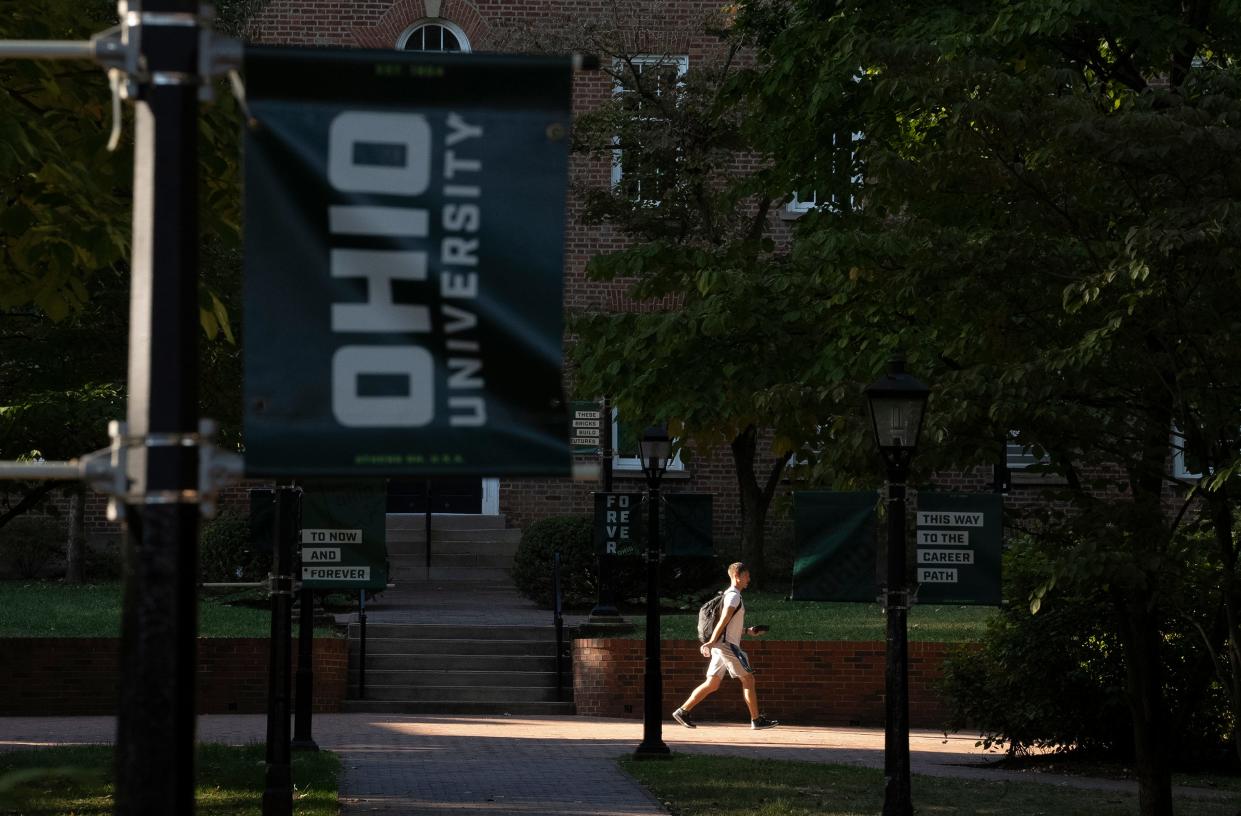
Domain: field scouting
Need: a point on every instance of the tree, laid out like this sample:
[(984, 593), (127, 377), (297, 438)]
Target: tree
[(1049, 228), (64, 237), (704, 329)]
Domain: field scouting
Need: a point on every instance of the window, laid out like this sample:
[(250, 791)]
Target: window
[(436, 36), (635, 172), (1184, 466), (843, 176), (625, 436), (1018, 457)]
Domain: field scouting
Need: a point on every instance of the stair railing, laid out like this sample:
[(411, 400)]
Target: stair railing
[(558, 619)]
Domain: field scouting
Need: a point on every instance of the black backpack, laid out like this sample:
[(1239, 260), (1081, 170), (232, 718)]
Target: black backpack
[(709, 616)]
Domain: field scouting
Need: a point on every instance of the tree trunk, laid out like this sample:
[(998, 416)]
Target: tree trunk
[(75, 549), (755, 499), (1222, 521), (1144, 682)]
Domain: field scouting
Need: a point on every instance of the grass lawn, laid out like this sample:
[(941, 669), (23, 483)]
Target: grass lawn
[(51, 609), (821, 620), (729, 786), (77, 780)]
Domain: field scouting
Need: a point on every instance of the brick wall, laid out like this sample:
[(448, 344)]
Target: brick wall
[(68, 676), (801, 682)]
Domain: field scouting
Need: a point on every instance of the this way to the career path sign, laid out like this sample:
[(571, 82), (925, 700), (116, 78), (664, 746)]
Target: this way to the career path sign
[(404, 263)]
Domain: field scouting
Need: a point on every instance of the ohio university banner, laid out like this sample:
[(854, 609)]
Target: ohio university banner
[(404, 226)]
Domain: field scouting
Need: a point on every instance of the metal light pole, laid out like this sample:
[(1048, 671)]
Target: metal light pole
[(278, 789), (897, 404), (156, 717), (655, 448), (304, 698)]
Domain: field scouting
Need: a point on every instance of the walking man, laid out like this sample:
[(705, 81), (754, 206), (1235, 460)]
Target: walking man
[(724, 649)]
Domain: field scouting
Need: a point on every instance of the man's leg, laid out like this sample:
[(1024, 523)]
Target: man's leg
[(750, 693), (703, 691)]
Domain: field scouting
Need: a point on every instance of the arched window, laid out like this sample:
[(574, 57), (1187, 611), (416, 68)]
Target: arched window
[(435, 36)]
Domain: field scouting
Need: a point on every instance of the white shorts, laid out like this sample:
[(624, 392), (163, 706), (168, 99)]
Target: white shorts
[(731, 658)]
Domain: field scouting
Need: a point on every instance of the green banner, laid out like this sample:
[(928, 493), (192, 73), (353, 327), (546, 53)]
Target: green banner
[(958, 547), (344, 536), (587, 426), (620, 523), (834, 536), (404, 262), (687, 525)]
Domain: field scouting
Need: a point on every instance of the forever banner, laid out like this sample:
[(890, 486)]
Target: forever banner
[(404, 261)]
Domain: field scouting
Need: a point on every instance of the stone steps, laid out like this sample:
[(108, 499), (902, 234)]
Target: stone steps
[(458, 669), (459, 707)]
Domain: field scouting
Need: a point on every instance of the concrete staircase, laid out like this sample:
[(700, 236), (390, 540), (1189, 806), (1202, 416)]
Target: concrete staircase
[(456, 637), (463, 548), (458, 669)]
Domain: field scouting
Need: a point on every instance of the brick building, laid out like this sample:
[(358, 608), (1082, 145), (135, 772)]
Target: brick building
[(672, 32)]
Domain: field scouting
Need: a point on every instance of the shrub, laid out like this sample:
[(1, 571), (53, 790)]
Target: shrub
[(681, 577), (226, 553), (103, 561), (28, 544), (573, 536), (1051, 680)]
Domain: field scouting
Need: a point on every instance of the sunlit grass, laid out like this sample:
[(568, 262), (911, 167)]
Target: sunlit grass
[(78, 780), (822, 620), (53, 609)]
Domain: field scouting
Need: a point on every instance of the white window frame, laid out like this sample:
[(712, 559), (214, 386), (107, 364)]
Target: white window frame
[(797, 207), (682, 63), (634, 462), (403, 40), (1018, 458), (1179, 469)]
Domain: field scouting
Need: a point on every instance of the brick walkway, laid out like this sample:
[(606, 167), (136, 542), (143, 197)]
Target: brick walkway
[(486, 766), (529, 766)]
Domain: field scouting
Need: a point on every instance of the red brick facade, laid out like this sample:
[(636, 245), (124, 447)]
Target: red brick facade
[(799, 682), (673, 27), (68, 676)]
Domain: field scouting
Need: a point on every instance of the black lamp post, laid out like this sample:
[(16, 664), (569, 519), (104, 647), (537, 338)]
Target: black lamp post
[(655, 448), (897, 404)]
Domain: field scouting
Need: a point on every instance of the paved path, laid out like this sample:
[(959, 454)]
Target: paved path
[(541, 766), (528, 766)]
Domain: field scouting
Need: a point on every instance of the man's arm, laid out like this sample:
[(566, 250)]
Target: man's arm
[(718, 632)]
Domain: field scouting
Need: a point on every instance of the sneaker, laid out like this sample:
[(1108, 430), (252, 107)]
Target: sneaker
[(682, 716), (761, 722)]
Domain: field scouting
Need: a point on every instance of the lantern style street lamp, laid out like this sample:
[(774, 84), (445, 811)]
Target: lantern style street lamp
[(897, 404), (655, 448)]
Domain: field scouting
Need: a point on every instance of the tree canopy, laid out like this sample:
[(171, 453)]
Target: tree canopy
[(1047, 226)]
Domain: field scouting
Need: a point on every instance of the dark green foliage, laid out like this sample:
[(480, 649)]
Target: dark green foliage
[(1051, 679), (1055, 678), (226, 553), (29, 544), (683, 578), (103, 561), (573, 537)]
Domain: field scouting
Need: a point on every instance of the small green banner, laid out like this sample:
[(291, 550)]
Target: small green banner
[(619, 523), (687, 525), (586, 426), (958, 548), (343, 543), (834, 536)]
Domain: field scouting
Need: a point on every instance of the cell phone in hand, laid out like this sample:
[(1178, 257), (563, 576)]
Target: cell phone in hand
[(759, 628)]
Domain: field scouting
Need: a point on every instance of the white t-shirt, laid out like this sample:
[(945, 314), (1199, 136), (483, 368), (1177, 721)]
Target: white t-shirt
[(736, 624)]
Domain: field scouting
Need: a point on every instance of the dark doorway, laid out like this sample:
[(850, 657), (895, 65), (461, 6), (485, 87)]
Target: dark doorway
[(445, 495)]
